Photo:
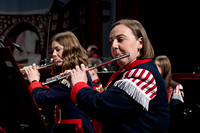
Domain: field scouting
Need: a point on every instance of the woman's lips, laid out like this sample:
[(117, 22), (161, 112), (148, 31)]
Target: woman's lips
[(118, 54), (56, 59)]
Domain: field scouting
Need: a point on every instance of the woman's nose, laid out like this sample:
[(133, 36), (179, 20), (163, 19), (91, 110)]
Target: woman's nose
[(114, 44), (54, 53)]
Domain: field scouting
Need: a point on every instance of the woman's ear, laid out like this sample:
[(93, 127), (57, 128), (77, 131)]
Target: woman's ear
[(140, 43)]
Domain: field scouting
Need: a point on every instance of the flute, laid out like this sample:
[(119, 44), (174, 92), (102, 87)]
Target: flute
[(59, 77), (44, 65)]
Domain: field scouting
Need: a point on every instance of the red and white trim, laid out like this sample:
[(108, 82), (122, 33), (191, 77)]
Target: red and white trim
[(177, 93), (139, 84)]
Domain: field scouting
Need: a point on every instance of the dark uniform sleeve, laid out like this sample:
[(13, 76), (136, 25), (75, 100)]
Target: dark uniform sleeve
[(110, 104), (53, 95), (128, 96)]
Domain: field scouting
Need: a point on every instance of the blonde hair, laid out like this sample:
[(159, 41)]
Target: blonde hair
[(73, 53), (138, 31)]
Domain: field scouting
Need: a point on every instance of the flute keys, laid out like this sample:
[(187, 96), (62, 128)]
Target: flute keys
[(53, 78)]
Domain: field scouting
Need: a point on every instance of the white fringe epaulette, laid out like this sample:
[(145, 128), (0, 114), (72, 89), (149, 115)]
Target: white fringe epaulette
[(139, 84), (177, 93)]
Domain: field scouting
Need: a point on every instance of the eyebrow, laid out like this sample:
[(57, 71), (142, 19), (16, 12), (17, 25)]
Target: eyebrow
[(55, 47), (119, 36)]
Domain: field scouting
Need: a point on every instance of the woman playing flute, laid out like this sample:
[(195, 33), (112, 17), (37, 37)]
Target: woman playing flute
[(69, 117), (135, 99)]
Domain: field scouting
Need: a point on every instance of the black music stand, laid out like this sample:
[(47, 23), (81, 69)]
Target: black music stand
[(18, 110)]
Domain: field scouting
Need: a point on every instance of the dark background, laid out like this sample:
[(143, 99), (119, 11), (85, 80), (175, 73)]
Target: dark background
[(173, 28)]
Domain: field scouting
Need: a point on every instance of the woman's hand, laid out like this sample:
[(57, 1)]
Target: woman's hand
[(78, 75), (32, 73)]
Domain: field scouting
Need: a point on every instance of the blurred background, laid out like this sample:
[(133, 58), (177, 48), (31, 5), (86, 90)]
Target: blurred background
[(172, 26)]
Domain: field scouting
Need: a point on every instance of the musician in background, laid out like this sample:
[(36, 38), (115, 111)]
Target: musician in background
[(175, 92), (69, 118), (92, 52), (135, 99), (97, 85)]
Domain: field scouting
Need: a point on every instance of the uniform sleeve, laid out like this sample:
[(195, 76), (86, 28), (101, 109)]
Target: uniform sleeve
[(33, 85), (129, 95), (110, 104), (53, 95)]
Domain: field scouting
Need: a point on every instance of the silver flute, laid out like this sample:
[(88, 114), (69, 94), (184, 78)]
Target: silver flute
[(60, 77), (44, 65)]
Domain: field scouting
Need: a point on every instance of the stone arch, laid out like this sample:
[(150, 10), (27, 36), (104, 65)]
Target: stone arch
[(17, 28), (14, 31)]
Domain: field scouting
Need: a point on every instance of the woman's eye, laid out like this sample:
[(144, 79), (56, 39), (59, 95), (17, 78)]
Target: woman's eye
[(120, 40), (58, 50)]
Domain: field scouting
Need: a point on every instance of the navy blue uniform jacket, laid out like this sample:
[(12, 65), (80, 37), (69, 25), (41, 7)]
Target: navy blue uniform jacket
[(72, 117), (135, 100)]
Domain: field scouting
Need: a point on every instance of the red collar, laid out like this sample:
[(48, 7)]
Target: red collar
[(134, 64), (129, 66)]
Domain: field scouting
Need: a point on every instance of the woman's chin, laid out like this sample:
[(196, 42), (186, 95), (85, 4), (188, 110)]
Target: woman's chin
[(120, 63), (58, 64)]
